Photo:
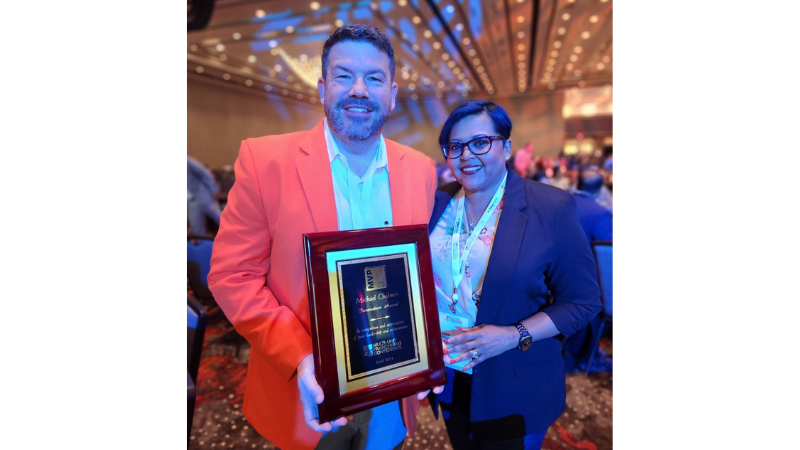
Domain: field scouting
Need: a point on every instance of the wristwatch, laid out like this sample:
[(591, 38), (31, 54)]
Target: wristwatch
[(525, 338)]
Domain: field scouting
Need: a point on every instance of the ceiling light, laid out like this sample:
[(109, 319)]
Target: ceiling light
[(426, 81), (193, 47), (480, 69), (450, 9), (278, 68), (520, 47), (520, 19), (402, 2), (520, 1), (573, 58), (268, 88), (586, 35), (600, 66), (415, 47), (237, 36), (226, 76), (437, 45), (427, 34), (606, 59), (220, 47), (289, 78), (550, 68), (412, 87), (557, 44), (465, 41), (414, 96), (459, 27), (577, 73), (594, 19), (272, 73), (521, 65), (404, 75), (273, 43), (248, 83), (554, 53), (551, 86), (290, 29), (451, 64), (476, 61), (521, 57), (222, 57), (551, 61), (548, 75), (373, 6), (251, 59), (603, 1), (569, 66), (520, 34), (339, 23), (577, 49), (260, 13), (461, 76), (472, 52), (199, 69), (562, 31), (440, 84), (565, 16), (445, 56), (416, 20), (314, 6)]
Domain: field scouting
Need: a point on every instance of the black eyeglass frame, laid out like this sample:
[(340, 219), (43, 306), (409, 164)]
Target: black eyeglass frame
[(461, 146)]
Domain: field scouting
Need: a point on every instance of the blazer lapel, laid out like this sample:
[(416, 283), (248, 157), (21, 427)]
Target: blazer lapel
[(399, 188), (505, 250), (314, 171), (442, 199)]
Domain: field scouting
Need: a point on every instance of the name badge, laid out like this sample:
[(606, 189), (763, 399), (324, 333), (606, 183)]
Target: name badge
[(448, 323)]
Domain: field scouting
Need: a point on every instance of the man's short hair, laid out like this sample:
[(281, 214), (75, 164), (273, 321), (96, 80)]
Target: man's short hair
[(590, 180), (360, 32)]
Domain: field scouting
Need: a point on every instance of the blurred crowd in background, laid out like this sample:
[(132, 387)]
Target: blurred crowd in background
[(586, 176)]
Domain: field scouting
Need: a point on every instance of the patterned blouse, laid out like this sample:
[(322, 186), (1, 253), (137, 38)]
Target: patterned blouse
[(469, 293)]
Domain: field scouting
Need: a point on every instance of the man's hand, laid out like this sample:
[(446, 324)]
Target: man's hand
[(423, 394), (311, 395)]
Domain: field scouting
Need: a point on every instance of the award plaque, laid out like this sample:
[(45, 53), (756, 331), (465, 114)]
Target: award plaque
[(374, 320)]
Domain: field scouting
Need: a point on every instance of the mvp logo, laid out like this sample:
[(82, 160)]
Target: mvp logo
[(376, 277)]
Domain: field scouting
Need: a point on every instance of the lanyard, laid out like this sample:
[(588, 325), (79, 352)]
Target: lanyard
[(458, 260)]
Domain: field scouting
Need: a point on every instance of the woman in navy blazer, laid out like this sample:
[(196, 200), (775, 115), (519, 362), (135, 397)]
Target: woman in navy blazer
[(538, 285)]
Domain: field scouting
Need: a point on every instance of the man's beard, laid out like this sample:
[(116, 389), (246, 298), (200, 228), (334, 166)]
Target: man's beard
[(355, 129)]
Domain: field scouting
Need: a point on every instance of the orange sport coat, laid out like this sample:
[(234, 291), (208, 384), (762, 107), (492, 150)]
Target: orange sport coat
[(283, 189)]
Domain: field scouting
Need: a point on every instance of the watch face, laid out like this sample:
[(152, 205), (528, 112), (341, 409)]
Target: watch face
[(526, 343)]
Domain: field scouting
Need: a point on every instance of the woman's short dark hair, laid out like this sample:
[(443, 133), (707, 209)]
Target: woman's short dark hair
[(360, 32), (500, 119)]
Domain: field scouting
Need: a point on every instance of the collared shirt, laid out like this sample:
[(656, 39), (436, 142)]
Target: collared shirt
[(361, 202), (441, 238)]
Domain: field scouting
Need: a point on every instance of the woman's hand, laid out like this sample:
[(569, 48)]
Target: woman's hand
[(487, 340)]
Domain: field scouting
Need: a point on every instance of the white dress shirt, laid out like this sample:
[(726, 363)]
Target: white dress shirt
[(361, 202)]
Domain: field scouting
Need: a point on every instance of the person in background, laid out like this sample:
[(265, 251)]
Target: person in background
[(521, 160), (594, 217), (341, 175), (540, 172), (202, 196), (500, 246), (561, 179)]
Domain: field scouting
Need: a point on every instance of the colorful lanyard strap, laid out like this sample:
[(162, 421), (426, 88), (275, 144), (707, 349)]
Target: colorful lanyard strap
[(458, 259)]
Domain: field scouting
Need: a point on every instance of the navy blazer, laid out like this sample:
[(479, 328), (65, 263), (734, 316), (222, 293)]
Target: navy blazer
[(539, 249)]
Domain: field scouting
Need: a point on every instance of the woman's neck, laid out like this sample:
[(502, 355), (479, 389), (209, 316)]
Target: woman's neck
[(477, 201)]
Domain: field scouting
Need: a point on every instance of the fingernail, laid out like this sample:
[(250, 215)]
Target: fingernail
[(446, 351), (447, 341), (463, 369), (452, 361)]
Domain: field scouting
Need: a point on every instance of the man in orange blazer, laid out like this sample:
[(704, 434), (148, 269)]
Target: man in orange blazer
[(340, 175)]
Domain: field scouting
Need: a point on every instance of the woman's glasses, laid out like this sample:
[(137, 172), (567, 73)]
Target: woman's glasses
[(478, 146)]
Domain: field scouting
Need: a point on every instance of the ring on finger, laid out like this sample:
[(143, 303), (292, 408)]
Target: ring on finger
[(474, 354)]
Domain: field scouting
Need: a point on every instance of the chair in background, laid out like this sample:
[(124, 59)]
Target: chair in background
[(197, 318), (198, 263), (603, 256), (198, 258)]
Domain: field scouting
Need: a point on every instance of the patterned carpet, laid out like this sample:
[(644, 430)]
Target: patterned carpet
[(219, 423)]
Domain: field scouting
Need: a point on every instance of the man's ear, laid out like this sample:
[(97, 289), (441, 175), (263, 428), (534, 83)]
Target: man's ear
[(394, 94), (321, 87)]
